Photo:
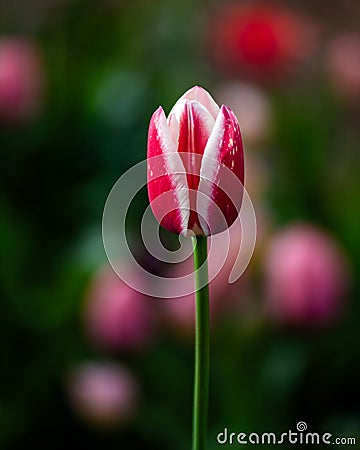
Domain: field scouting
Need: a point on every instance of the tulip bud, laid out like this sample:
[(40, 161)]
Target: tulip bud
[(103, 394), (116, 316), (21, 80), (306, 277), (195, 165)]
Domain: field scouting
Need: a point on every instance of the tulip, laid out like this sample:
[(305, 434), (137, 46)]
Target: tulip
[(306, 277), (195, 187), (104, 394), (192, 156)]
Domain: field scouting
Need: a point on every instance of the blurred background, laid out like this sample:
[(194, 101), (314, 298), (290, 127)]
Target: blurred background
[(85, 361)]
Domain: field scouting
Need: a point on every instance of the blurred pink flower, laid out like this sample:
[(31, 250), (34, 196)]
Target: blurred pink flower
[(343, 62), (21, 80), (116, 316), (306, 276), (261, 38), (103, 393), (252, 108)]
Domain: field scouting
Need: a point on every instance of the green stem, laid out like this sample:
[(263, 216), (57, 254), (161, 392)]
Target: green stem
[(202, 344)]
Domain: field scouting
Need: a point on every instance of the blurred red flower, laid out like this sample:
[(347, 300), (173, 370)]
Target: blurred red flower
[(259, 38)]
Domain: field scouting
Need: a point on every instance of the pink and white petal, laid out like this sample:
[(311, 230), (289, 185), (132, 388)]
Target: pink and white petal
[(195, 127), (222, 174), (166, 177), (231, 151), (177, 110), (173, 124), (202, 96)]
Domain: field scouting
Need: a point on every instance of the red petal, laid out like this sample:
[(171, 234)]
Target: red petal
[(164, 164), (222, 173), (195, 125)]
